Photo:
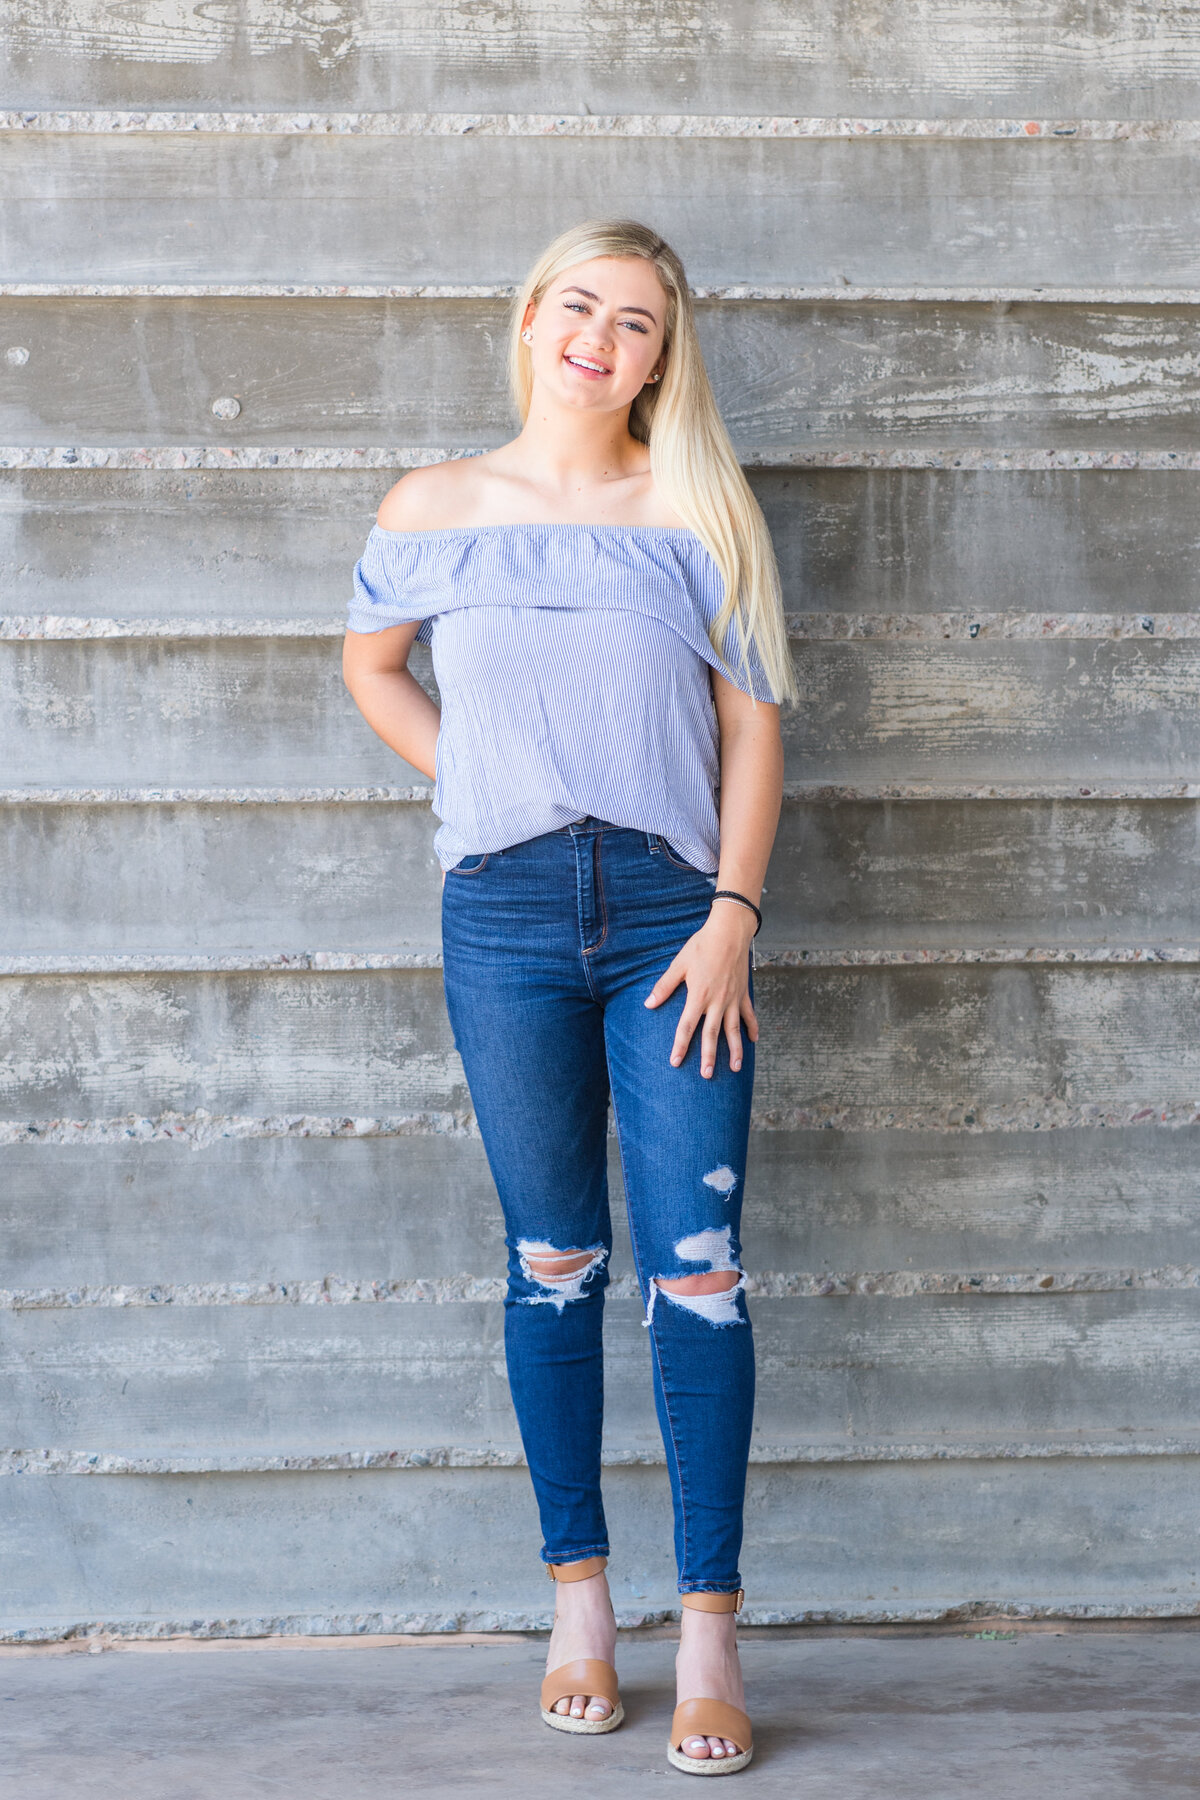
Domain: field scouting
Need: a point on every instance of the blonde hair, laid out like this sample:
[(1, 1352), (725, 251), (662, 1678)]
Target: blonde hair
[(691, 458)]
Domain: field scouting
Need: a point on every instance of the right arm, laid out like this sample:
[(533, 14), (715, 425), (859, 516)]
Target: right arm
[(375, 664), (389, 697)]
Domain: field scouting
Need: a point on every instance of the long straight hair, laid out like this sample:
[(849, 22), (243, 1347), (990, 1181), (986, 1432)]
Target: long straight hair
[(691, 458)]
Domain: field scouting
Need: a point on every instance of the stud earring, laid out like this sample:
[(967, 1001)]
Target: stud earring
[(654, 378), (527, 337)]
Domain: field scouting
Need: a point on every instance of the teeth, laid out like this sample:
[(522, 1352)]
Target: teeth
[(581, 362)]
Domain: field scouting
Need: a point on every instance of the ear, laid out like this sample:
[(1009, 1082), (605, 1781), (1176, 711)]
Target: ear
[(528, 316)]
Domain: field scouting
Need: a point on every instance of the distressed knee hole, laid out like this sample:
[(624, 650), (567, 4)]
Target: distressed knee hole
[(554, 1268), (561, 1274), (711, 1296), (697, 1284)]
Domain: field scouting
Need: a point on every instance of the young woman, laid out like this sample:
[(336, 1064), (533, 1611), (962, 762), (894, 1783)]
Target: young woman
[(603, 606)]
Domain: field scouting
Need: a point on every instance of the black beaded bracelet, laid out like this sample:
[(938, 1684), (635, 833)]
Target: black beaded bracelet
[(728, 894)]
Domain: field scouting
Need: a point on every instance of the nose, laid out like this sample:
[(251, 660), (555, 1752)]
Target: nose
[(600, 333)]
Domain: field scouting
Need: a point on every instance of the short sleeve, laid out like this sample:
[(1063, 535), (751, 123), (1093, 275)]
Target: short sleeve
[(387, 587), (708, 591)]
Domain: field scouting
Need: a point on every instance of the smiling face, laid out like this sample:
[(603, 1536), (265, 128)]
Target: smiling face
[(598, 333)]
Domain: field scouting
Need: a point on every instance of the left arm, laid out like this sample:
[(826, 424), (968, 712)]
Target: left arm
[(715, 961)]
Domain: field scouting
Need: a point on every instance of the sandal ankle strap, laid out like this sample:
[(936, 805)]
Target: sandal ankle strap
[(714, 1603), (576, 1571)]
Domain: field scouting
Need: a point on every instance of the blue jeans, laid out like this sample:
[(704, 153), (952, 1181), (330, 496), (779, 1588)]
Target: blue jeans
[(551, 948)]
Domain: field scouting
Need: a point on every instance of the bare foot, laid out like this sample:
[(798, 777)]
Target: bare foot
[(707, 1668), (584, 1626)]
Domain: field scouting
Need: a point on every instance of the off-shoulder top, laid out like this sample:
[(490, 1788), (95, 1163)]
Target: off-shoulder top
[(572, 663)]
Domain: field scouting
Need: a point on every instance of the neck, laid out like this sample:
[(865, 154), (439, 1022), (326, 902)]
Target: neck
[(566, 451)]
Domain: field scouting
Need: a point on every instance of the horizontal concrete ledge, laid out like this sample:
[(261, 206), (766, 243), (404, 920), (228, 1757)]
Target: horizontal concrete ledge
[(848, 293), (199, 1129), (50, 1461), (597, 125), (420, 793), (449, 1290), (98, 1634), (814, 792), (236, 962), (286, 962), (814, 627), (832, 792), (58, 628), (774, 456)]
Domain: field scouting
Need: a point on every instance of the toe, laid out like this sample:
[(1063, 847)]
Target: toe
[(561, 1706), (598, 1709), (578, 1702), (716, 1746), (695, 1746)]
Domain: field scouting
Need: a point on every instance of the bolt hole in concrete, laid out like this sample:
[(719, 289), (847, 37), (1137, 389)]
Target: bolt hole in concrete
[(16, 356), (226, 407)]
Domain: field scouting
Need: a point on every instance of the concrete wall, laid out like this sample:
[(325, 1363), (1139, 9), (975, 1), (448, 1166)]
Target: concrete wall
[(250, 1354)]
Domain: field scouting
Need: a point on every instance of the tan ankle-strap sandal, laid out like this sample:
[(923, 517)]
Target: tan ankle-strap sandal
[(710, 1718), (588, 1675)]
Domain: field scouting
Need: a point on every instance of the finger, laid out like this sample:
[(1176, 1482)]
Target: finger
[(708, 1044), (666, 984), (751, 1018), (733, 1037), (688, 1021)]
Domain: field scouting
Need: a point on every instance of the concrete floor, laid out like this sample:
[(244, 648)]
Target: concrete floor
[(1079, 1715)]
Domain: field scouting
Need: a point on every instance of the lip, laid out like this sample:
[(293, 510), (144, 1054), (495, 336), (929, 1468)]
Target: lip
[(582, 367)]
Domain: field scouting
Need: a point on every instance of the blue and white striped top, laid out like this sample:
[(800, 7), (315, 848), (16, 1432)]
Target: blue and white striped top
[(573, 664)]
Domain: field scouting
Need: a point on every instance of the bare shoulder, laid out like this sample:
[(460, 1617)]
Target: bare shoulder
[(434, 499)]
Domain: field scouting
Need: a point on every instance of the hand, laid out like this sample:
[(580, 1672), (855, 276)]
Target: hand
[(715, 964)]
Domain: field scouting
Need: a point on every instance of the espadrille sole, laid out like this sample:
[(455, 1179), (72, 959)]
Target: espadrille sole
[(584, 1727), (708, 1765)]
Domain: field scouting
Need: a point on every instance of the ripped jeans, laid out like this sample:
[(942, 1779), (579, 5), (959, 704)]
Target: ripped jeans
[(550, 949)]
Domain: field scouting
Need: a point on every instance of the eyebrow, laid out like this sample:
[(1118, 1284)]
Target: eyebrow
[(633, 309)]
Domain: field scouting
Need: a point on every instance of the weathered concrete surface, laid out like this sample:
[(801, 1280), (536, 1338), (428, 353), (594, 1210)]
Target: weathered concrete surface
[(1087, 1716), (993, 711), (911, 1046), (924, 875), (914, 540), (938, 872), (990, 58), (243, 544), (444, 1549), (290, 1209), (144, 877), (187, 713), (787, 373), (258, 712), (282, 1379), (867, 210)]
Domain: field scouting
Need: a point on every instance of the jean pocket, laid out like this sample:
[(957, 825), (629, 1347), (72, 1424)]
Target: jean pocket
[(471, 865), (676, 861)]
